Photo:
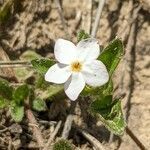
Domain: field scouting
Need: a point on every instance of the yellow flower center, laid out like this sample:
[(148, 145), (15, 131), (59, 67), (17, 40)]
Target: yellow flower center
[(76, 66)]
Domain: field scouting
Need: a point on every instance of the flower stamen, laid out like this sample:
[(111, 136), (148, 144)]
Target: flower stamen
[(76, 66)]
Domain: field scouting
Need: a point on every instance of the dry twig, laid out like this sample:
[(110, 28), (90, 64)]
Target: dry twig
[(67, 126), (97, 145), (77, 21), (124, 32), (86, 16), (36, 131), (53, 135), (135, 139), (69, 120), (15, 62), (57, 2), (97, 19), (15, 66)]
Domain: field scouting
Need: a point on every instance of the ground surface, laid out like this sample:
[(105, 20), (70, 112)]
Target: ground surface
[(37, 25)]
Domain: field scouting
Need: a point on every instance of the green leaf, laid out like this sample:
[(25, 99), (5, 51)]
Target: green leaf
[(112, 55), (17, 112), (39, 105), (20, 94), (107, 89), (42, 65), (110, 113), (90, 91), (102, 91), (3, 102), (41, 83), (5, 89), (82, 35), (102, 106)]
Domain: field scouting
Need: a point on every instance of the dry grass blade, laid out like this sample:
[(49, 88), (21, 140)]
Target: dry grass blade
[(97, 19)]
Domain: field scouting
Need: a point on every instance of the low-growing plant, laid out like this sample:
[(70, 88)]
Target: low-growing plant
[(100, 92), (102, 106)]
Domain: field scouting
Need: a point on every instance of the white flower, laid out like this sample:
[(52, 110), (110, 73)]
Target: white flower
[(77, 66)]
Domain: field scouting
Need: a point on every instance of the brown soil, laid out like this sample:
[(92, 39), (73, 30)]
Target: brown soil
[(37, 25)]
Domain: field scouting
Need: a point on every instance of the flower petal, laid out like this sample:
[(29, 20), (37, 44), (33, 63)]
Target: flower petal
[(58, 73), (74, 85), (88, 49), (65, 51), (95, 73)]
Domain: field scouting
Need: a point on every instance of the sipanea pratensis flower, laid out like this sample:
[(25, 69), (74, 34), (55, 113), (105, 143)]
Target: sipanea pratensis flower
[(77, 66)]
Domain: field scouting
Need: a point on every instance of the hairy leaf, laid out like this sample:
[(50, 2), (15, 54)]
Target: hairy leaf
[(39, 105), (5, 89), (20, 94), (3, 102), (17, 112), (110, 113), (42, 65)]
